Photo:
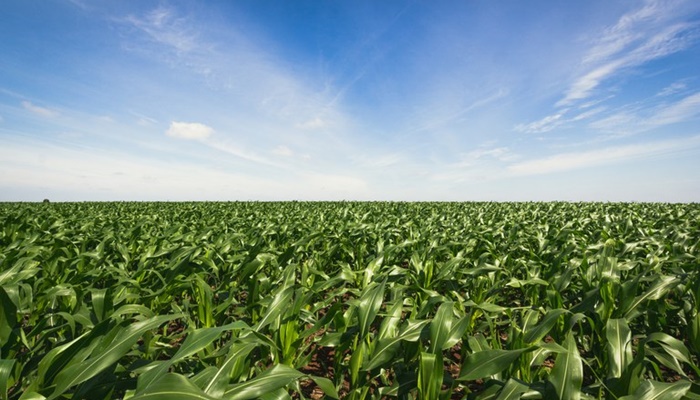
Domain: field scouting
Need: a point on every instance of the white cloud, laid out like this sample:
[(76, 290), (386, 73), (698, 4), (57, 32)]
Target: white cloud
[(143, 120), (636, 121), (622, 120), (688, 107), (163, 26), (261, 93), (64, 173), (640, 36), (448, 109), (40, 111), (189, 130), (615, 38), (584, 85), (226, 146), (609, 155), (673, 88), (481, 164), (498, 153), (557, 120), (589, 113), (314, 123), (282, 150), (546, 124)]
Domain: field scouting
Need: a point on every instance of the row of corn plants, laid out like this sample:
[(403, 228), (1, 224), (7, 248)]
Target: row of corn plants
[(251, 300)]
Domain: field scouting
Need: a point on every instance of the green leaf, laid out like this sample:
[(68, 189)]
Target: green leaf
[(671, 345), (172, 387), (8, 317), (274, 378), (385, 349), (539, 331), (662, 285), (216, 386), (567, 375), (652, 390), (32, 396), (694, 332), (327, 386), (5, 373), (456, 332), (279, 394), (440, 327), (478, 343), (368, 306), (488, 362), (278, 305), (71, 353), (512, 390), (102, 303), (430, 372), (619, 346), (195, 341), (108, 353), (390, 324)]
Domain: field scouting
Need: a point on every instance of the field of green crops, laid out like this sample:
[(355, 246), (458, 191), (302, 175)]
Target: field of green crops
[(349, 300)]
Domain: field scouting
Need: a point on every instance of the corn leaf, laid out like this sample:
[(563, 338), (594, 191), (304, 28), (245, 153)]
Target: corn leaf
[(489, 362), (567, 375), (172, 387), (652, 390)]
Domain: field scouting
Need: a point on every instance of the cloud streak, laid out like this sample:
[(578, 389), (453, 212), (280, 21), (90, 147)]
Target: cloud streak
[(687, 108), (628, 122), (609, 155), (163, 26), (74, 174), (638, 37), (189, 130), (40, 111), (651, 32)]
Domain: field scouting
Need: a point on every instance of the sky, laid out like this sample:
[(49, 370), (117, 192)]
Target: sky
[(339, 100)]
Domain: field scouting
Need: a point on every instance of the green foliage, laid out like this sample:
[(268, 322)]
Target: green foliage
[(349, 300)]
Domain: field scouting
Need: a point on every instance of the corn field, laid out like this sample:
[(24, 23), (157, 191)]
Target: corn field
[(296, 300)]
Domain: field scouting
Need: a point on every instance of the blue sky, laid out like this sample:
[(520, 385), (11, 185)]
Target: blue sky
[(331, 100)]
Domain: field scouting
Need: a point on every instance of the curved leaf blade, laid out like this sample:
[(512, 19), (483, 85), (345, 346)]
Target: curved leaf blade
[(488, 362)]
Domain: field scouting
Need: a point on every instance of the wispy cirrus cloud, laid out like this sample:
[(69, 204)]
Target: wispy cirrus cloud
[(162, 25), (631, 121), (638, 37), (502, 153), (486, 162), (262, 94), (313, 123), (545, 124), (439, 118), (231, 60), (653, 31), (40, 111), (673, 88), (686, 108), (558, 120), (603, 156), (189, 130)]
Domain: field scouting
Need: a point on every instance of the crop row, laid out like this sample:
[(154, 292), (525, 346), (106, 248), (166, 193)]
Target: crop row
[(349, 300)]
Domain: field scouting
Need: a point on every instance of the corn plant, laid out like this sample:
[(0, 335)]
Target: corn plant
[(432, 301)]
